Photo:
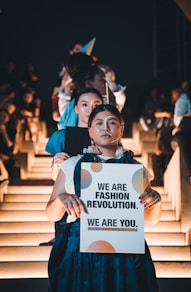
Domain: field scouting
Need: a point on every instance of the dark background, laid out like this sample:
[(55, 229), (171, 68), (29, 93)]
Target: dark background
[(146, 42)]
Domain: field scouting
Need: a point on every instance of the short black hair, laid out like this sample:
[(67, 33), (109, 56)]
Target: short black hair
[(88, 90), (105, 107)]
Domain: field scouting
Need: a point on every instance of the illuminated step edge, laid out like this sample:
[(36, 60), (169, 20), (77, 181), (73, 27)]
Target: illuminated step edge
[(42, 189), (41, 253), (36, 169), (168, 215), (25, 227), (21, 270), (170, 253), (25, 239), (164, 226), (27, 197), (23, 206), (38, 175), (168, 239), (24, 253), (18, 216), (173, 269)]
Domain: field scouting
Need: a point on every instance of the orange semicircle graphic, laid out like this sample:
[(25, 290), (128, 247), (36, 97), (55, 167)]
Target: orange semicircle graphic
[(101, 246)]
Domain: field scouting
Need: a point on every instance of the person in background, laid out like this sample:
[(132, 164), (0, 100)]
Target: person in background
[(84, 73), (30, 79), (117, 89), (72, 270), (163, 151), (148, 121), (85, 101), (63, 88), (181, 135), (7, 141), (28, 113)]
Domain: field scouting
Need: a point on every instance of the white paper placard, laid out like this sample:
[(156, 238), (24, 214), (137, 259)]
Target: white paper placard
[(115, 222)]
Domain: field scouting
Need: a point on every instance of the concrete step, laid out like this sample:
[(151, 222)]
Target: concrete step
[(20, 270), (25, 239), (41, 253), (166, 205), (33, 269), (23, 216), (164, 226), (23, 198), (23, 206), (170, 253), (29, 189), (26, 227), (37, 168), (167, 239), (166, 269), (24, 253), (168, 215), (38, 175)]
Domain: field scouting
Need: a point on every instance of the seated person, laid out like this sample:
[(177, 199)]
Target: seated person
[(28, 113), (7, 141)]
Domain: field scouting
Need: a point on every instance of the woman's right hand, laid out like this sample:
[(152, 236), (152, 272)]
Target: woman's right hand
[(60, 157), (73, 204), (56, 161)]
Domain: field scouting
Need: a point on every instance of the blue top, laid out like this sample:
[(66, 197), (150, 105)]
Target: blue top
[(182, 106), (69, 117), (56, 142)]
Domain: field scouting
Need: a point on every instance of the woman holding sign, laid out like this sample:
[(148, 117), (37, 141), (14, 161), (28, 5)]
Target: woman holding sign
[(72, 270)]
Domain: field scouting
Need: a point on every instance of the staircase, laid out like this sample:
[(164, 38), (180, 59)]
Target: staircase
[(24, 225)]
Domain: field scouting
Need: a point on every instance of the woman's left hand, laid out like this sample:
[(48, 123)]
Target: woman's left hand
[(149, 198)]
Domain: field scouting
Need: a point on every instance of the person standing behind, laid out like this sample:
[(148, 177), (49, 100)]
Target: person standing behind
[(84, 73), (30, 79), (72, 270), (182, 135), (28, 113), (85, 101), (63, 88)]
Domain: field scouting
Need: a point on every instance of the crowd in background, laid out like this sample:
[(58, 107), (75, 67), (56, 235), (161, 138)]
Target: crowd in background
[(20, 106), (19, 110)]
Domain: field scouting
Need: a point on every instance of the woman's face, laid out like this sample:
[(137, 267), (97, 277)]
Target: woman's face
[(106, 130), (84, 107), (175, 94)]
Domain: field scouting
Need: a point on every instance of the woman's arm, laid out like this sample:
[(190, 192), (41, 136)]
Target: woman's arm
[(56, 161), (61, 202)]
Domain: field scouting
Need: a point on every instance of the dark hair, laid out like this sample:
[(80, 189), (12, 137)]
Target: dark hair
[(88, 90), (92, 71), (102, 108), (72, 45), (3, 115), (77, 64), (27, 90)]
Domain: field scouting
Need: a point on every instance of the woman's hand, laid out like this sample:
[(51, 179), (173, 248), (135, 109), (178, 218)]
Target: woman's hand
[(60, 157), (149, 198), (73, 204)]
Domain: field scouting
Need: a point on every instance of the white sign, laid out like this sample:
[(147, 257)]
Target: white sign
[(115, 222)]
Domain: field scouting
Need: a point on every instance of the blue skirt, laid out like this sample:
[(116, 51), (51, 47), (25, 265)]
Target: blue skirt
[(72, 271)]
